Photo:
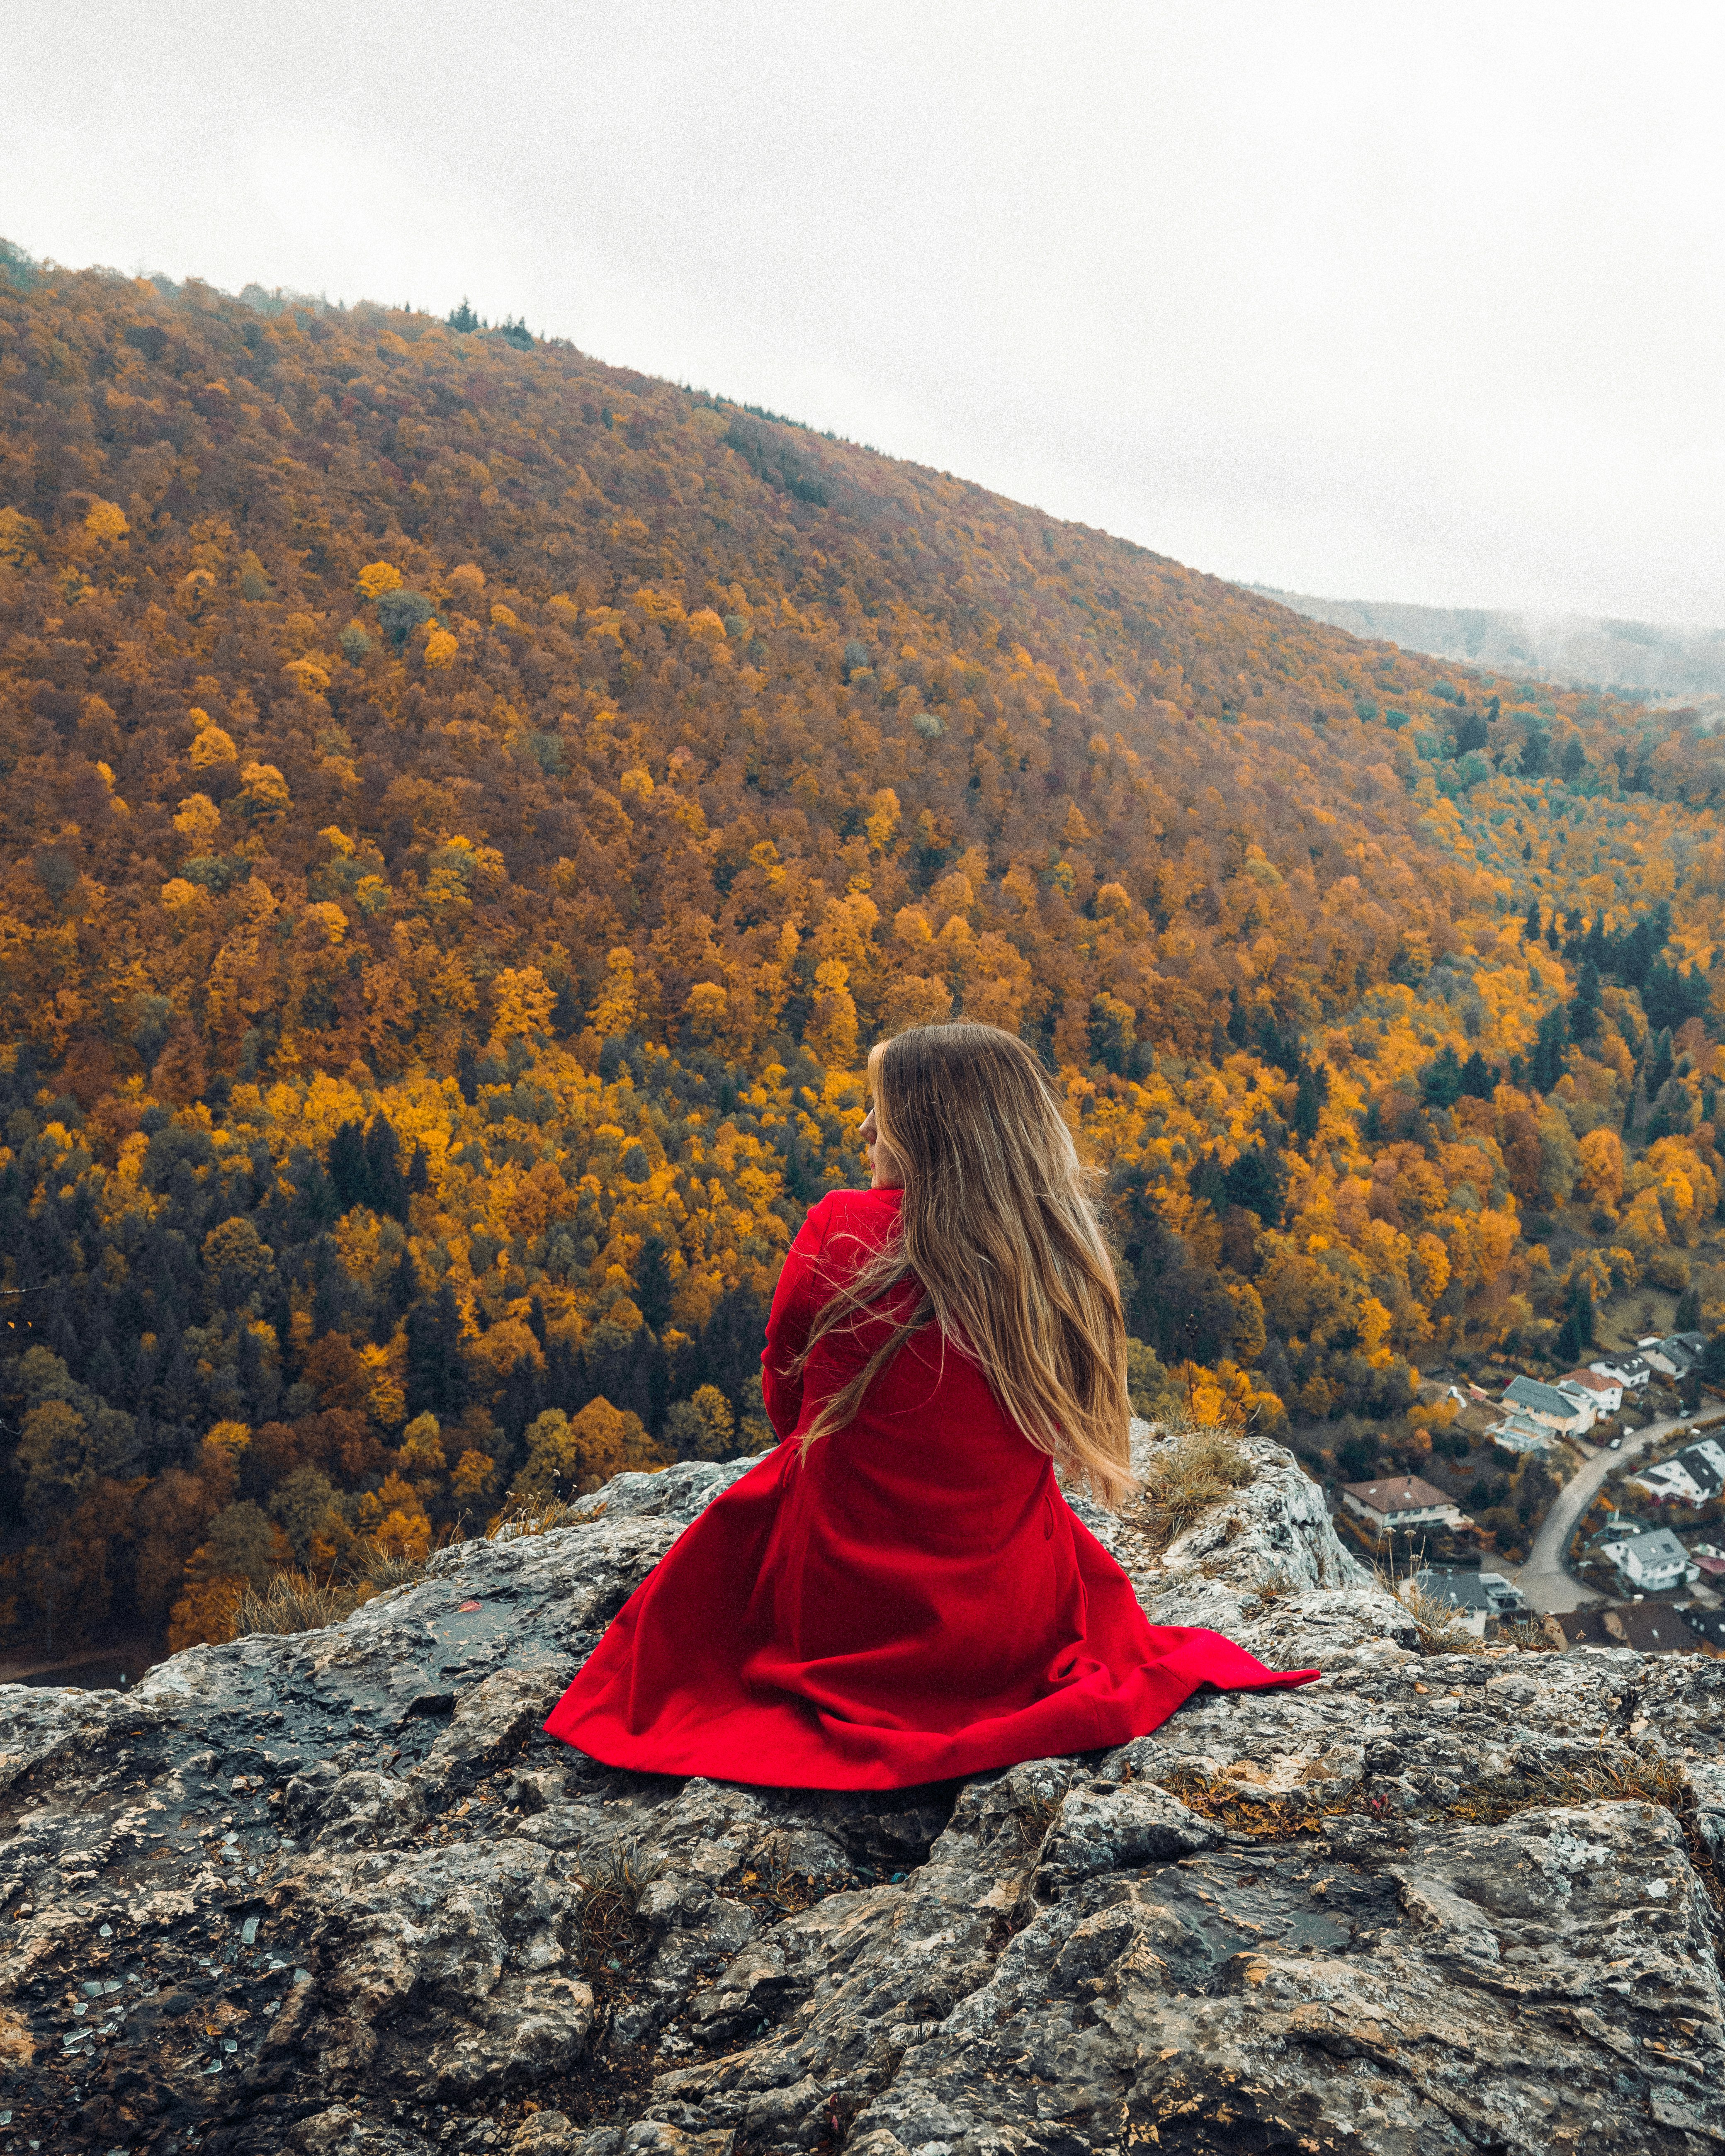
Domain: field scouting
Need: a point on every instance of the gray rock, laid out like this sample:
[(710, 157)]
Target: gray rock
[(338, 1894)]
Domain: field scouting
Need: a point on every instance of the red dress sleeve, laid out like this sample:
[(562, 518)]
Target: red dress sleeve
[(802, 1290)]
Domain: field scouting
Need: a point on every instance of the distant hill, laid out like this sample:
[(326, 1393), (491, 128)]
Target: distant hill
[(465, 812), (1633, 658)]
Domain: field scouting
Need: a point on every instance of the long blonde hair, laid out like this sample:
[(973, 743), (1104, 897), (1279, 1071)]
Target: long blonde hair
[(998, 1229)]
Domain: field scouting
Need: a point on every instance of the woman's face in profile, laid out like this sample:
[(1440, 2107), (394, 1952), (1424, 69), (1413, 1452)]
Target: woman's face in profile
[(886, 1169)]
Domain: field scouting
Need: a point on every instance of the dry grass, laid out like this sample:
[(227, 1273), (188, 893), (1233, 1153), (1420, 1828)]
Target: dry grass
[(1490, 1802), (1437, 1629), (300, 1602), (611, 1939), (384, 1568), (1201, 1468), (538, 1516), (296, 1602)]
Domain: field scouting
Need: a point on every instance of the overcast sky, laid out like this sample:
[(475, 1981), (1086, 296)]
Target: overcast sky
[(1378, 302)]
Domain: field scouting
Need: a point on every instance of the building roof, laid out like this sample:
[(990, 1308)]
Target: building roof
[(1625, 1364), (1664, 1475), (1585, 1628), (1709, 1623), (1592, 1381), (1399, 1493), (1659, 1545), (1694, 1341), (1460, 1590), (1538, 1400), (1654, 1627), (1696, 1465), (1650, 1628)]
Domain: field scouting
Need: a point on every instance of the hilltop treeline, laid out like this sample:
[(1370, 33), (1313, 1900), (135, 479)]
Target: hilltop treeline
[(468, 810)]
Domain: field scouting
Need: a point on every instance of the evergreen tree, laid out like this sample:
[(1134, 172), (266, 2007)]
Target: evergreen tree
[(1581, 1313), (386, 1186), (1255, 1181), (1583, 1017), (1659, 1063), (1441, 1083), (731, 1343), (653, 1284), (436, 1374), (1478, 1081), (1471, 732), (1546, 1066), (1310, 1091), (346, 1166), (1239, 1031)]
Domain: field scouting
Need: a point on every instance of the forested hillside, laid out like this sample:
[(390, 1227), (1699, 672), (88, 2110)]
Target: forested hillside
[(468, 810)]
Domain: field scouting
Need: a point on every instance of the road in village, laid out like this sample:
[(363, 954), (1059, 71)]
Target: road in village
[(1545, 1578)]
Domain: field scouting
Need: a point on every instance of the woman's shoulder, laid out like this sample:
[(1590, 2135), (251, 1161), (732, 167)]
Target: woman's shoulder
[(868, 1213)]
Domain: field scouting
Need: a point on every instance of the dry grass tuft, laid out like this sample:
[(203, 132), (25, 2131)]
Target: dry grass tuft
[(296, 1602), (1201, 1468), (391, 1568), (611, 1939), (1437, 1629), (538, 1516), (299, 1602)]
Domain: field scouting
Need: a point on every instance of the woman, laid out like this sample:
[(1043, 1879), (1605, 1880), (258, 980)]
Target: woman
[(899, 1593)]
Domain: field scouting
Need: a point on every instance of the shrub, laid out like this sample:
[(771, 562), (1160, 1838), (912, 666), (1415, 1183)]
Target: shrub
[(1201, 1468)]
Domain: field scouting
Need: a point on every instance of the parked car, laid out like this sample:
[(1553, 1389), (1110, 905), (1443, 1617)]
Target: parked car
[(1615, 1442)]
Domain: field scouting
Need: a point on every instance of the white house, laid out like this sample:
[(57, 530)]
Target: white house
[(1632, 1371), (1689, 1477), (1551, 1410), (1606, 1393), (1400, 1502), (1651, 1563), (1675, 1356), (1667, 1482)]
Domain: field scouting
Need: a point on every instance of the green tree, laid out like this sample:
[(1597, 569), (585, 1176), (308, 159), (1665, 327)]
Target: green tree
[(702, 1427), (1441, 1080)]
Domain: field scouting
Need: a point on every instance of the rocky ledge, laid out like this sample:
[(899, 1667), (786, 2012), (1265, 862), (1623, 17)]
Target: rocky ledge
[(335, 1893)]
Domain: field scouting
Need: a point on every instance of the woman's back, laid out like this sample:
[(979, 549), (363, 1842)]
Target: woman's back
[(930, 1414), (907, 1546), (899, 1593)]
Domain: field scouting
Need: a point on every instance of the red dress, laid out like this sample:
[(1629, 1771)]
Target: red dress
[(915, 1601)]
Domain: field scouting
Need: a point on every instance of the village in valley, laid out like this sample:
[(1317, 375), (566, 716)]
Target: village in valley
[(1630, 1551)]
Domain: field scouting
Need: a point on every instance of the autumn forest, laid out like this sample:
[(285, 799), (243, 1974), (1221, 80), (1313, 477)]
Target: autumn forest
[(467, 812)]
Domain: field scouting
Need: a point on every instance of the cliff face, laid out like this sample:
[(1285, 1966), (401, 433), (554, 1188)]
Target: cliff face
[(334, 1893)]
